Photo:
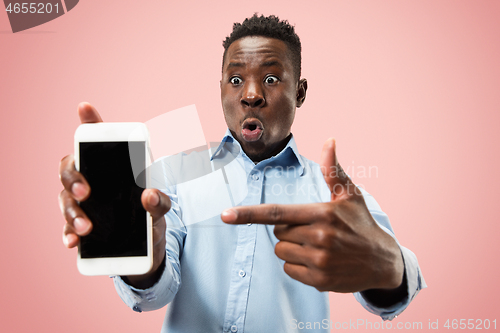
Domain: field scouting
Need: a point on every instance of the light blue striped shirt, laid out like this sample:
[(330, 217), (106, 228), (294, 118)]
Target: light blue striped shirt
[(226, 278)]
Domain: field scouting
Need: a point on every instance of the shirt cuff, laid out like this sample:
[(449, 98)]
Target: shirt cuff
[(153, 298), (415, 283)]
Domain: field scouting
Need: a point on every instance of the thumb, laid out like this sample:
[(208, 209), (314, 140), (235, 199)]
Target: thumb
[(88, 114), (156, 203), (334, 175)]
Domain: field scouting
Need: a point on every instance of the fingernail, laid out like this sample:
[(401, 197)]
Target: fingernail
[(154, 199), (229, 215), (69, 239), (78, 190), (65, 240), (80, 225)]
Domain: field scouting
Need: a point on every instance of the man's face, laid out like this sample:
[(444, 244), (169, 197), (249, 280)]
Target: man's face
[(259, 94)]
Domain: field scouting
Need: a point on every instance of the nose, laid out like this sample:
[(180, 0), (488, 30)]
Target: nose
[(253, 95)]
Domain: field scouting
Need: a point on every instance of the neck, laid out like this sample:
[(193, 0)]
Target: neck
[(273, 151)]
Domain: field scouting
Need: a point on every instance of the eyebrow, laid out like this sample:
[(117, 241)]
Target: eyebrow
[(235, 64), (264, 64), (272, 63)]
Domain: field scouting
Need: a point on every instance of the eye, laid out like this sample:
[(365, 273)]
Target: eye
[(271, 79), (235, 80)]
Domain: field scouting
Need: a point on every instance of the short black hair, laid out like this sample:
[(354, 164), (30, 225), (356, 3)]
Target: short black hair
[(270, 26)]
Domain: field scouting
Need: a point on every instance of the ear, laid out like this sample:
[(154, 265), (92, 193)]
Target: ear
[(301, 92)]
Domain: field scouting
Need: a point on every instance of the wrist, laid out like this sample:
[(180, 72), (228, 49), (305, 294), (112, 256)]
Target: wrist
[(147, 280), (385, 298), (391, 264)]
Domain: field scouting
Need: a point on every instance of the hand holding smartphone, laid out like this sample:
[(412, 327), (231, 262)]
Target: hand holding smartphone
[(113, 158)]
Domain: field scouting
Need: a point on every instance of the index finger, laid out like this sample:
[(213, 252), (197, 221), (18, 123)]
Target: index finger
[(274, 214), (72, 180)]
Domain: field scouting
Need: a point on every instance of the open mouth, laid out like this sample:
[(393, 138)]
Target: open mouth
[(252, 129)]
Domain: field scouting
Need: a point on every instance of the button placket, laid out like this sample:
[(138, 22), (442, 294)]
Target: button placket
[(242, 265)]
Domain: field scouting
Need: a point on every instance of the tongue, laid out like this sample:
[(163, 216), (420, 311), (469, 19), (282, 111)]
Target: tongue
[(251, 135)]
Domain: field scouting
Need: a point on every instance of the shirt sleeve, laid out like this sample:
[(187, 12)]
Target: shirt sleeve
[(414, 278), (163, 291)]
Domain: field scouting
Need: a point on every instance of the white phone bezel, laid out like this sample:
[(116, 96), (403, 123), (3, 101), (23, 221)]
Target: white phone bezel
[(115, 132)]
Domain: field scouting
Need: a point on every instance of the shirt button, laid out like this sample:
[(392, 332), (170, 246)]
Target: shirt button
[(234, 328), (255, 176), (242, 273)]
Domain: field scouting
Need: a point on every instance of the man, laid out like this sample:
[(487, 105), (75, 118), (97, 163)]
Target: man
[(261, 266)]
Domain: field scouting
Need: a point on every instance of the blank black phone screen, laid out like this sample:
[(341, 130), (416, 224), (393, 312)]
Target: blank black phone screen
[(114, 205)]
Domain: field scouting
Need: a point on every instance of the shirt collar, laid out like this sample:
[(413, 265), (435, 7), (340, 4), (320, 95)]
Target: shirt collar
[(291, 146)]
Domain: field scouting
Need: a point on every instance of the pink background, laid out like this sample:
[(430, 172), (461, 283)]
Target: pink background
[(408, 87)]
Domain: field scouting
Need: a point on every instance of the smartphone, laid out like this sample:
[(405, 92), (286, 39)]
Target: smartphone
[(114, 159)]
